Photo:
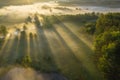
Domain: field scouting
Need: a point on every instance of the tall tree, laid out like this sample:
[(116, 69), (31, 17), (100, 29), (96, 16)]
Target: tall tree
[(3, 30)]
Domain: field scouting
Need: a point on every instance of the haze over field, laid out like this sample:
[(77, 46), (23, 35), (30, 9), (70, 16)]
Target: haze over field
[(80, 2), (54, 39), (9, 12)]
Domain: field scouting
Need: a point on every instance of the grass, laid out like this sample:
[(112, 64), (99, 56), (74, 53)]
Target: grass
[(58, 48)]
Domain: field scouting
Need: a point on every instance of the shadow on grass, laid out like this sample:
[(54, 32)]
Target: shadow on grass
[(12, 54), (14, 50), (86, 61), (84, 73), (74, 37), (46, 63), (22, 47), (72, 56), (4, 52)]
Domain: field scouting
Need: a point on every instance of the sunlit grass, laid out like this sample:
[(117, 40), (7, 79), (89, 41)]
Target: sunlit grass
[(55, 49), (4, 45), (80, 52), (5, 52), (28, 46), (36, 48), (87, 39)]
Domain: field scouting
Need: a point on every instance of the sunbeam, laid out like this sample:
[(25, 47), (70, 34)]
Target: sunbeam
[(59, 39)]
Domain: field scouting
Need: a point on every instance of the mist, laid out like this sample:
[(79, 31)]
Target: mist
[(8, 12)]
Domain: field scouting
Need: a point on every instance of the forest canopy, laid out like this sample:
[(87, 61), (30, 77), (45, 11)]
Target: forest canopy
[(107, 45)]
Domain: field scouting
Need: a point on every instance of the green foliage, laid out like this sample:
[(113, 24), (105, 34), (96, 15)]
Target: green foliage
[(110, 21), (29, 19), (3, 30), (26, 61), (90, 28), (24, 28), (80, 18), (107, 45), (46, 22)]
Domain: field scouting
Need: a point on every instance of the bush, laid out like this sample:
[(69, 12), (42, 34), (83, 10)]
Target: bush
[(90, 28), (3, 30), (26, 61)]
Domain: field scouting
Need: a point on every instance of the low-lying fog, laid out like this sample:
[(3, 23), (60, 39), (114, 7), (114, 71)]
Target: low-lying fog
[(29, 74), (13, 14)]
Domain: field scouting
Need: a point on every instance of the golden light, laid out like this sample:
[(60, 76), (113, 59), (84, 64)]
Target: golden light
[(28, 1)]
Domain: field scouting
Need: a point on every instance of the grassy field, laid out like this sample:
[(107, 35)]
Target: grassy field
[(61, 48)]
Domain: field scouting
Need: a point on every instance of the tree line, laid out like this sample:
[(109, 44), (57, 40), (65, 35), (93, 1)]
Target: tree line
[(107, 45)]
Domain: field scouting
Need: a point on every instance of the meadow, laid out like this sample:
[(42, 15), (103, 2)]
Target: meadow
[(51, 44)]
